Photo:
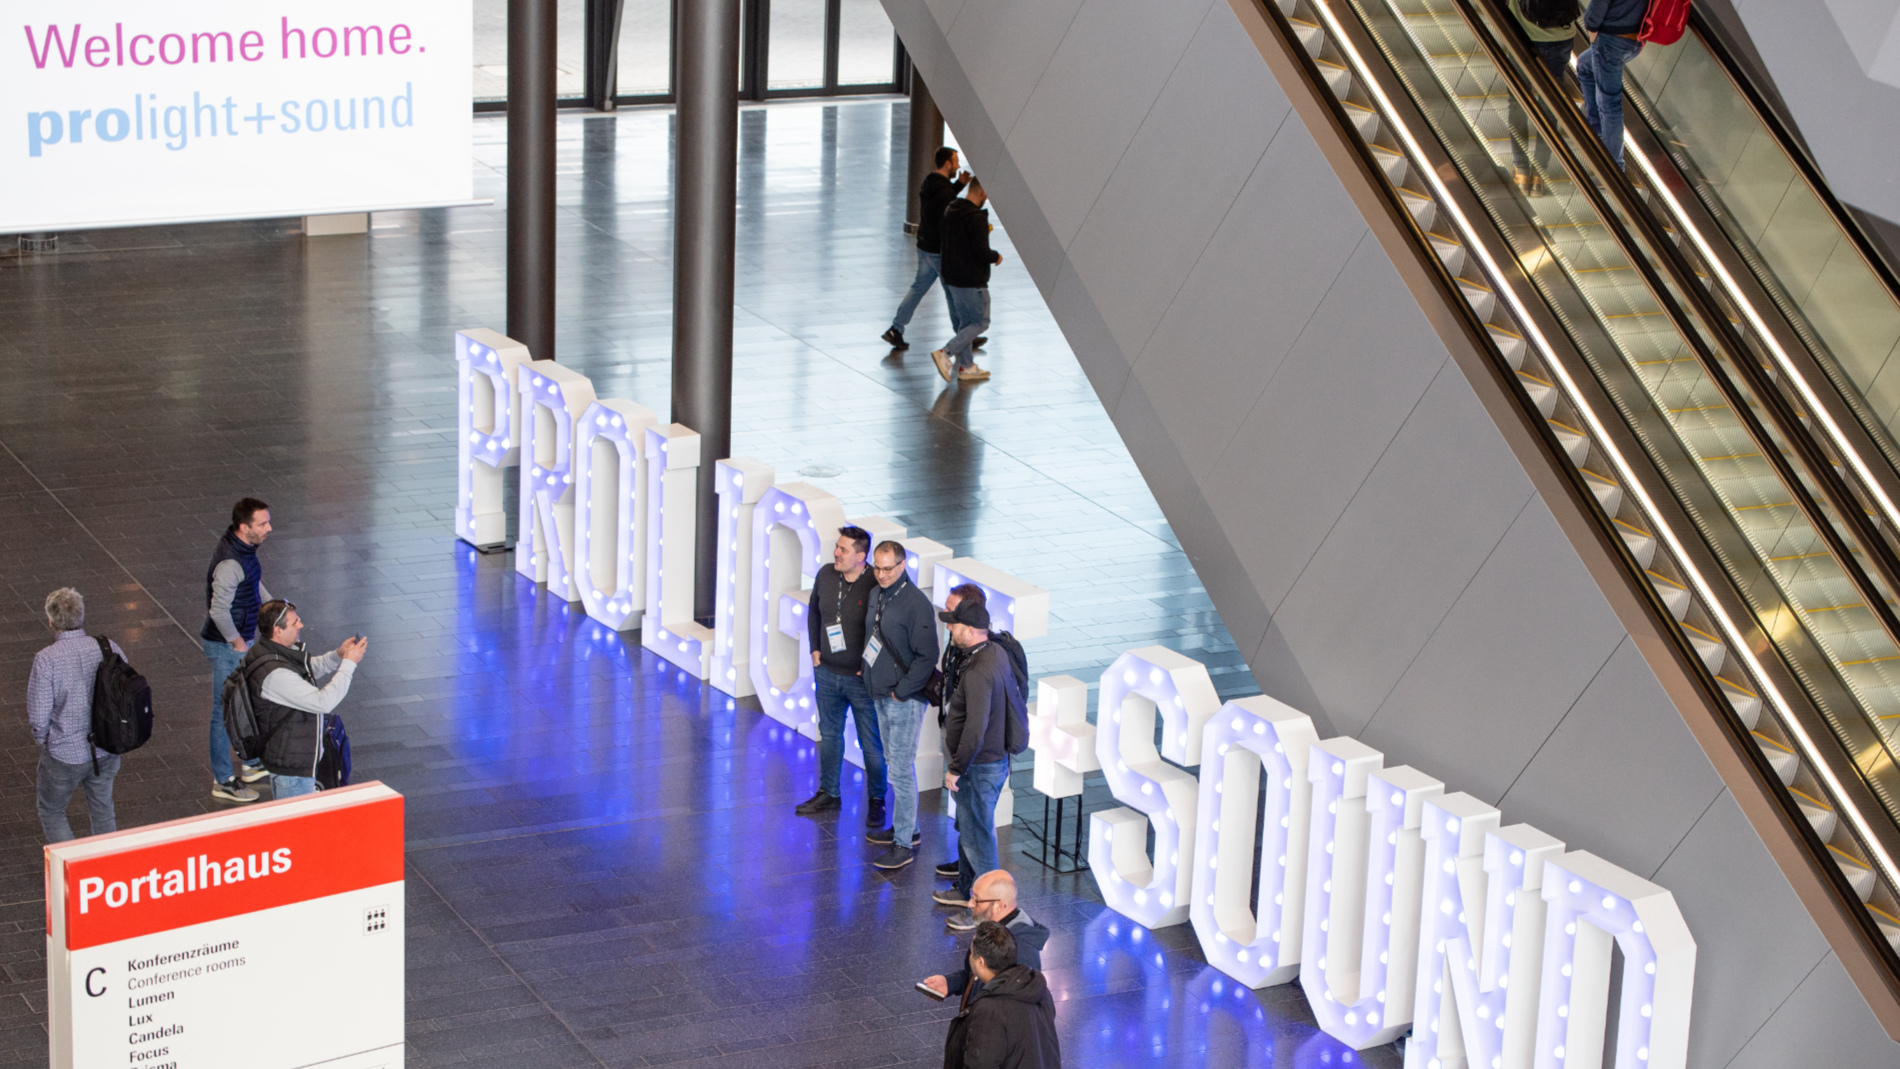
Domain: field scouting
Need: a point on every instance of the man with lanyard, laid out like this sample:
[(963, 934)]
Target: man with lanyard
[(900, 650), (835, 617)]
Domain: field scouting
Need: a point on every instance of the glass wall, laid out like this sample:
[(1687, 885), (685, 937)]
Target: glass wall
[(491, 49), (803, 48)]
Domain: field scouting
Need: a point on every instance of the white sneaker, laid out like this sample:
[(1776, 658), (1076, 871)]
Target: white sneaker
[(252, 773), (942, 360), (233, 792)]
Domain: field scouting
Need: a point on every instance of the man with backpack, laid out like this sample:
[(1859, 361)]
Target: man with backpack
[(59, 708), (1615, 29), (983, 720), (289, 707), (234, 588), (1548, 27), (951, 669)]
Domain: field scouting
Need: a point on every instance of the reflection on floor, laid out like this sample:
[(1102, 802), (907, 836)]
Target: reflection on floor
[(605, 868)]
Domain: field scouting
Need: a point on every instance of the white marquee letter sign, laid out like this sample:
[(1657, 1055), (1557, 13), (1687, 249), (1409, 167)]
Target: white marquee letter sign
[(488, 431), (793, 528), (609, 511), (668, 628), (552, 398), (741, 482), (1247, 737), (1138, 685)]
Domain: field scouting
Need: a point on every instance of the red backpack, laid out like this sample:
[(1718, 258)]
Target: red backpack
[(1664, 21)]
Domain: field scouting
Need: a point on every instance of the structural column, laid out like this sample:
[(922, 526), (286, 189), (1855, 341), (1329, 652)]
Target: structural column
[(926, 136), (531, 36), (705, 190)]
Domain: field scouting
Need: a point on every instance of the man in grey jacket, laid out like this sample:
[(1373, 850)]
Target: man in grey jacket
[(900, 651)]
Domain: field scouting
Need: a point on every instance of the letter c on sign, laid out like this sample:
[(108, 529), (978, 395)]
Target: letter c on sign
[(89, 979)]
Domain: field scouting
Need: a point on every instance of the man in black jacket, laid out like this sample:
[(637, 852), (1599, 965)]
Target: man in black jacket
[(975, 723), (1612, 26), (938, 190), (994, 899), (290, 706), (840, 598), (967, 259), (1010, 1023), (900, 649)]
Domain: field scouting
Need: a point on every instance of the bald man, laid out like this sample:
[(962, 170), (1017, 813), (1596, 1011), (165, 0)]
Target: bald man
[(993, 898)]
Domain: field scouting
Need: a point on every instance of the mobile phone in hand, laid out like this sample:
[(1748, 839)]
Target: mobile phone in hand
[(931, 991)]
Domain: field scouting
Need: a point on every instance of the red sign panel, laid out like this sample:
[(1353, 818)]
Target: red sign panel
[(227, 873)]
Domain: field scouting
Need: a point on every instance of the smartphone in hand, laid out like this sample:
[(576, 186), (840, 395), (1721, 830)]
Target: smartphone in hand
[(931, 991)]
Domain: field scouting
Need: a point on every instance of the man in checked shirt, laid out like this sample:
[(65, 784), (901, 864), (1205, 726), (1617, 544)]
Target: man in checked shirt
[(59, 707)]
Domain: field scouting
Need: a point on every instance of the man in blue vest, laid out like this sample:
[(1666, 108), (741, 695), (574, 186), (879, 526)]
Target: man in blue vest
[(234, 589)]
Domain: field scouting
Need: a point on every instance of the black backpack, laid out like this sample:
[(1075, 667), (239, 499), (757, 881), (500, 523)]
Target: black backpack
[(240, 713), (121, 705), (333, 766), (1016, 722)]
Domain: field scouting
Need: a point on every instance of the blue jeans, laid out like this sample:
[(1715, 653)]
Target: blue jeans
[(224, 660), (970, 314), (977, 791), (897, 724), (835, 691), (928, 265), (57, 782), (1600, 75), (291, 786)]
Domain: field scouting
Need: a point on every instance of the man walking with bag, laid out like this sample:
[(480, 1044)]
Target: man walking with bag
[(59, 708), (900, 652), (234, 588)]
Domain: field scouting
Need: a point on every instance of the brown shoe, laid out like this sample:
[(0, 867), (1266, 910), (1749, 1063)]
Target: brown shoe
[(972, 374)]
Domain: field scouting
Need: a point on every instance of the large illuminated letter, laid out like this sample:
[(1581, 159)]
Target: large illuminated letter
[(793, 528), (551, 399), (1590, 903), (1363, 861), (488, 432), (1244, 738), (610, 511), (1481, 941), (1020, 608), (668, 628), (1140, 683), (1061, 736), (741, 481)]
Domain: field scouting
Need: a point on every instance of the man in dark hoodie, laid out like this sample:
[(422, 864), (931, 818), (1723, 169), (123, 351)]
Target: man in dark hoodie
[(1612, 26), (967, 259), (938, 190), (1010, 1022), (994, 899), (975, 723)]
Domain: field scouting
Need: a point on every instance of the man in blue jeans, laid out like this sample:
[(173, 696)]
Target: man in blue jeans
[(59, 710), (975, 720), (1612, 26), (282, 676), (967, 259), (938, 190), (900, 652), (234, 589), (840, 597)]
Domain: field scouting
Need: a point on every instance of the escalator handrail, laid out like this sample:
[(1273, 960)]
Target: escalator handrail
[(1615, 202)]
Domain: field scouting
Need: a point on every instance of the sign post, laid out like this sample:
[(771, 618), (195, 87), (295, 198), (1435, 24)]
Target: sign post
[(164, 943)]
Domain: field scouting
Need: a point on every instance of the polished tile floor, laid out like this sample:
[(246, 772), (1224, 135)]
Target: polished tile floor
[(604, 867)]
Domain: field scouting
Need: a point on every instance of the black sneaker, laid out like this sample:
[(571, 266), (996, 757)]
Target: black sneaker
[(818, 803), (887, 836), (894, 857), (874, 815), (896, 338), (948, 870), (980, 342)]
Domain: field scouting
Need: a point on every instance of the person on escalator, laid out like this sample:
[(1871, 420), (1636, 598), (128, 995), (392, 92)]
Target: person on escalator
[(1612, 26), (1549, 27)]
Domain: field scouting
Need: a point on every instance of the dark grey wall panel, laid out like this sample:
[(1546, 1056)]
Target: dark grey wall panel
[(1373, 545)]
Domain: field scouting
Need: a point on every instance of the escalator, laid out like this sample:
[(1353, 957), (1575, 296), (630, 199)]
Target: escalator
[(1702, 352)]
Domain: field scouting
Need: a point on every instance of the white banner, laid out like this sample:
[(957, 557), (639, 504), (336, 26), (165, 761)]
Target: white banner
[(123, 113)]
